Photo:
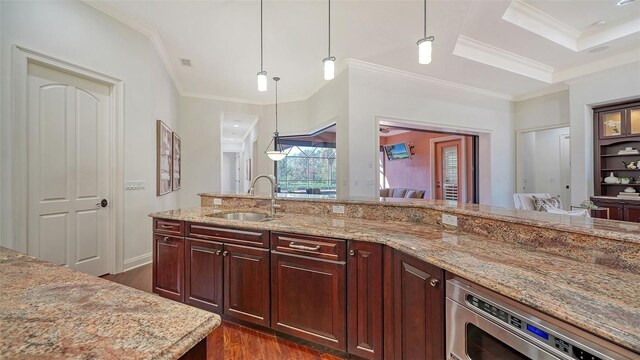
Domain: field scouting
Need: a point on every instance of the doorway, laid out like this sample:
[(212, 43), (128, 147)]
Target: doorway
[(543, 162), (231, 175), (447, 166)]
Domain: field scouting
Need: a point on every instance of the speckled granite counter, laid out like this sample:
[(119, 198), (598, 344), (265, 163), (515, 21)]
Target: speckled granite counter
[(48, 311), (601, 300)]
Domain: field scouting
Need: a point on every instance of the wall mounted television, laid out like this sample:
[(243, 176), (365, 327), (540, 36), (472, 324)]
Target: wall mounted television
[(397, 151)]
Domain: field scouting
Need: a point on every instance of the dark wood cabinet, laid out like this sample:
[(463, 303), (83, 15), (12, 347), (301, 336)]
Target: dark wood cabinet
[(308, 297), (619, 209), (246, 284), (364, 299), (616, 129), (168, 267), (418, 309), (203, 274)]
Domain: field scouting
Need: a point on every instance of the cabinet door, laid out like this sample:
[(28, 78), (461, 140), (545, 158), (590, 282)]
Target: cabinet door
[(633, 120), (203, 287), (246, 283), (611, 123), (418, 309), (614, 206), (308, 299), (632, 213), (364, 300), (168, 267)]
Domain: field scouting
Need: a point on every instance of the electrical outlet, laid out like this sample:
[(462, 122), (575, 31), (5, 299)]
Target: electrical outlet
[(217, 201), (449, 220), (338, 209)]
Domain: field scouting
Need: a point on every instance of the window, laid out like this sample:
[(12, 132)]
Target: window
[(308, 169)]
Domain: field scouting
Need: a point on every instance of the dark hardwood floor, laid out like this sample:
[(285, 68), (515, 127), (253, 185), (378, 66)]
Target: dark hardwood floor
[(239, 342)]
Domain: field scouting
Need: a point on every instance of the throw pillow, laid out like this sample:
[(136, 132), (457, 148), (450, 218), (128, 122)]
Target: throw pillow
[(552, 202), (580, 212), (410, 194), (384, 192)]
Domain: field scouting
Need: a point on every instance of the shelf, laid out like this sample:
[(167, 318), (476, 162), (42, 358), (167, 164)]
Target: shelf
[(605, 184), (614, 155)]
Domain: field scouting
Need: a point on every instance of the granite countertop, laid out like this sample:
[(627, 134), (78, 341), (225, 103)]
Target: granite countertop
[(48, 311), (611, 229), (603, 301)]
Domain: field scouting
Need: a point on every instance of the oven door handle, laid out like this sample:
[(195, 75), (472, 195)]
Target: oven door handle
[(457, 319)]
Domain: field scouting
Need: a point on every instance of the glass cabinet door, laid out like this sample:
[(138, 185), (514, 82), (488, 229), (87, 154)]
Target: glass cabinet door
[(634, 121), (611, 124)]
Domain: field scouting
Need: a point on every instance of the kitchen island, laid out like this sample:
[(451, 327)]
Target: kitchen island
[(582, 273), (49, 311)]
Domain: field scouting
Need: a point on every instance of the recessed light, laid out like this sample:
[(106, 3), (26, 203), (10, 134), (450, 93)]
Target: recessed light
[(599, 23), (236, 125), (625, 2), (599, 49)]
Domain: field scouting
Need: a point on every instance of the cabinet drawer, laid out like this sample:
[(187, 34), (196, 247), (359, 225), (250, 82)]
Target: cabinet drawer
[(172, 227), (312, 246), (234, 236)]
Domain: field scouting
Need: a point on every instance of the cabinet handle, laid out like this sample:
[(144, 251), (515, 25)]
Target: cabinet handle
[(166, 239), (303, 247), (167, 226), (352, 252), (434, 282), (218, 252), (224, 253)]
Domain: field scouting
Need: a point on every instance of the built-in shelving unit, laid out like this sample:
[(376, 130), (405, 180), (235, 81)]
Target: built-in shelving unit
[(616, 128)]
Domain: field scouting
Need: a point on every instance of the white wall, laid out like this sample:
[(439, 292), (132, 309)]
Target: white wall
[(551, 110), (77, 33), (609, 87), (375, 95), (200, 128)]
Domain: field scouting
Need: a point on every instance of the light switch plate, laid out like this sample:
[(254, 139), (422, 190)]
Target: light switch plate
[(338, 209), (449, 220), (134, 184), (217, 201)]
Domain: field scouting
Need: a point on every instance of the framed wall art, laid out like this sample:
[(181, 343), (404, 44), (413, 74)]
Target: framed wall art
[(164, 158), (177, 161)]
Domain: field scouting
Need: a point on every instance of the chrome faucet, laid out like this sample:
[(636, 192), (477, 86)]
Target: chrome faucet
[(274, 185)]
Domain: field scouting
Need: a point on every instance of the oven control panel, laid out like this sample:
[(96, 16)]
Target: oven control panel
[(552, 340)]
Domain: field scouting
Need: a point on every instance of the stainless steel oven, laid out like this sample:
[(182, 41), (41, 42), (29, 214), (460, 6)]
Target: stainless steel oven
[(482, 325)]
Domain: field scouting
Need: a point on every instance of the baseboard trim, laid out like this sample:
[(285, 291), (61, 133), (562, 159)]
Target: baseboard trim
[(137, 261)]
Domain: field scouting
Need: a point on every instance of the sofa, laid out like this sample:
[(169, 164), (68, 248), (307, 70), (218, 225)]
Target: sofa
[(402, 193)]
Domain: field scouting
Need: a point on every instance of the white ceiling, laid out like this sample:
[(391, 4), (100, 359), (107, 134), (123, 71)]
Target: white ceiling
[(235, 127), (511, 48)]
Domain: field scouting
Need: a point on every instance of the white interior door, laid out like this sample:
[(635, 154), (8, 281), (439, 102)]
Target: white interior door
[(68, 170), (565, 170)]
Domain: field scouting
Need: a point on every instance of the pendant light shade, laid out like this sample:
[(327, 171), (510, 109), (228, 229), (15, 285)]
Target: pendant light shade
[(330, 61), (424, 50), (262, 75), (329, 68), (425, 44), (276, 153), (262, 81)]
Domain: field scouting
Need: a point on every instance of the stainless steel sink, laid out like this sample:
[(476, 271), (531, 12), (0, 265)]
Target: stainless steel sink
[(244, 216)]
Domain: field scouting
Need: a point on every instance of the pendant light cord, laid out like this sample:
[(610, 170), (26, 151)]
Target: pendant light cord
[(261, 56), (425, 19), (329, 49), (276, 106)]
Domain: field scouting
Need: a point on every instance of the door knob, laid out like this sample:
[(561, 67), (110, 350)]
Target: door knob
[(103, 203)]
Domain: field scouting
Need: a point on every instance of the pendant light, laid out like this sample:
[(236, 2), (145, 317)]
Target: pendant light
[(262, 75), (278, 153), (329, 61), (424, 44)]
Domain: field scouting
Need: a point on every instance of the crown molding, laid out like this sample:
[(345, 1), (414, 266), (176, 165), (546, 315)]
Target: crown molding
[(475, 50), (359, 64), (540, 23), (628, 57)]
